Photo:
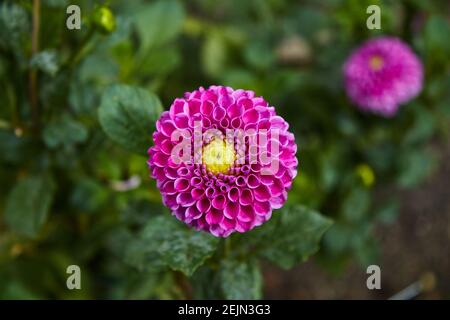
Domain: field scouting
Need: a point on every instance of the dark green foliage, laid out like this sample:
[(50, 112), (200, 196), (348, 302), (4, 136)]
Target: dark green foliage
[(240, 280), (166, 242), (290, 237), (28, 204), (127, 115), (75, 187)]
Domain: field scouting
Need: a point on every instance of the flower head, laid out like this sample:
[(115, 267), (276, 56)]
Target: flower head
[(382, 74), (222, 159)]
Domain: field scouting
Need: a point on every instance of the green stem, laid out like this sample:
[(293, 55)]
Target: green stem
[(33, 80), (15, 116), (227, 247), (83, 49)]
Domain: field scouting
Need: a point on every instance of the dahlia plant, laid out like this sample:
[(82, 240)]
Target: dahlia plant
[(240, 170), (382, 74), (237, 180), (223, 162)]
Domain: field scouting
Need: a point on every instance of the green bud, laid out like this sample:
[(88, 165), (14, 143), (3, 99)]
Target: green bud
[(104, 20)]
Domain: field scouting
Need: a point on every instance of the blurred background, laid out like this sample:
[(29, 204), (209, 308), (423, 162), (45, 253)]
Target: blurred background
[(384, 182)]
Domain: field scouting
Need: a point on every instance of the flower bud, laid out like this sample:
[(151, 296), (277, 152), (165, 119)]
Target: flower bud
[(104, 20)]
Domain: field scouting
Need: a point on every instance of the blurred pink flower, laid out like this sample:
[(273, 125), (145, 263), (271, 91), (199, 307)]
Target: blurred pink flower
[(382, 74), (226, 185)]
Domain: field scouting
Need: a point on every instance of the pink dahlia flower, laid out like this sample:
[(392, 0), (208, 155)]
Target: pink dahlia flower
[(382, 74), (222, 159)]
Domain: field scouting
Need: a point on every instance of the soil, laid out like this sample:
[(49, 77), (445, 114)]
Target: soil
[(416, 245)]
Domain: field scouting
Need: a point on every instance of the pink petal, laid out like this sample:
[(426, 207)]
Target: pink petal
[(206, 108), (181, 184), (158, 138), (204, 205), (167, 128), (243, 226), (236, 123), (168, 187), (235, 111), (197, 193), (210, 192), (181, 121), (193, 107), (214, 216), (170, 201), (253, 181), (193, 213), (185, 199), (233, 194), (240, 181), (276, 188), (166, 146), (196, 181), (218, 113), (278, 202), (183, 172), (246, 103), (250, 116), (225, 101), (158, 173), (231, 210), (262, 208), (219, 202), (177, 107), (246, 214), (160, 159), (246, 197), (227, 224), (209, 95), (262, 193)]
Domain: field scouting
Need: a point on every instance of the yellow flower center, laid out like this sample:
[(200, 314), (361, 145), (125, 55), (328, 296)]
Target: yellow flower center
[(218, 156), (376, 63)]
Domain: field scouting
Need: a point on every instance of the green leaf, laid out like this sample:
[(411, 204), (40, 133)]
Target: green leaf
[(206, 284), (14, 289), (239, 78), (64, 131), (436, 33), (259, 55), (46, 61), (14, 149), (186, 251), (214, 53), (337, 239), (331, 165), (422, 127), (14, 26), (159, 22), (240, 280), (166, 242), (88, 195), (28, 204), (160, 62), (143, 256), (388, 212), (291, 236), (414, 167), (57, 3), (367, 252), (356, 204), (128, 114)]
